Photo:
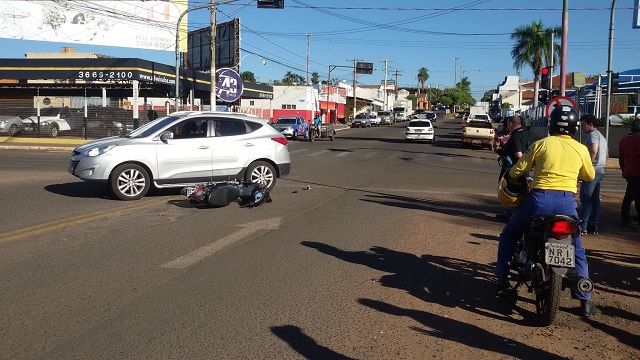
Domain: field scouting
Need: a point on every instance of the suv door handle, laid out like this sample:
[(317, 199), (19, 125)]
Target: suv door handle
[(249, 145), (203, 147)]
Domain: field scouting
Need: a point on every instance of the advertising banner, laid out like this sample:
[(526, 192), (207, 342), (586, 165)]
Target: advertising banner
[(336, 94), (131, 24)]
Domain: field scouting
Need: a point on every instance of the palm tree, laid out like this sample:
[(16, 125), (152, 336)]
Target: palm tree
[(533, 46), (315, 77), (423, 76)]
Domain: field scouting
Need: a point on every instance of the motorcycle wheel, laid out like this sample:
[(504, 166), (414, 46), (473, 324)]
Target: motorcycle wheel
[(312, 136), (332, 136), (548, 298)]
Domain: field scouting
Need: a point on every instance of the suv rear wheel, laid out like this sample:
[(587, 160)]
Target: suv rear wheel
[(129, 182)]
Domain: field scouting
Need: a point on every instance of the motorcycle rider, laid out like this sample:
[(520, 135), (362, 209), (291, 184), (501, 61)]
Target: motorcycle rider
[(560, 162), (316, 122)]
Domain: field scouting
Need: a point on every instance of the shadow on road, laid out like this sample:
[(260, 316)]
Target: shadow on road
[(467, 334), (441, 280), (305, 345), (477, 212), (79, 189)]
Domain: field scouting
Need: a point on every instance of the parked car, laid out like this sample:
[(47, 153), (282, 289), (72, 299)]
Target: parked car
[(375, 120), (361, 120), (419, 130), (292, 126), (183, 149), (52, 121), (386, 117), (10, 125)]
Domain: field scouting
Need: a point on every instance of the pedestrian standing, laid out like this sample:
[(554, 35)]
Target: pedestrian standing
[(629, 159), (590, 190), (512, 152)]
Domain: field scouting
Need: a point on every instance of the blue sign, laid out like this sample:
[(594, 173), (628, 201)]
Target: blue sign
[(229, 85)]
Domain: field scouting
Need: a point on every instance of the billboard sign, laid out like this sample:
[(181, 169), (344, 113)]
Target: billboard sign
[(336, 94), (131, 24), (229, 85), (227, 49), (364, 68)]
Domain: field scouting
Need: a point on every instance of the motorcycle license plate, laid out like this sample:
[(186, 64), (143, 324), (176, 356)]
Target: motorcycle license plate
[(561, 255)]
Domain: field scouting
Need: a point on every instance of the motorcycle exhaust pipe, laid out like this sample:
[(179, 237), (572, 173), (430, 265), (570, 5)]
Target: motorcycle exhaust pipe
[(577, 283)]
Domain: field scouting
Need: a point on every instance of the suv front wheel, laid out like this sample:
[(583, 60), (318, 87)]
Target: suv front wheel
[(261, 172), (129, 182)]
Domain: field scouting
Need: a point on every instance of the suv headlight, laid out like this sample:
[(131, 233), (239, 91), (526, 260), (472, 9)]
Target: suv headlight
[(98, 151), (117, 124)]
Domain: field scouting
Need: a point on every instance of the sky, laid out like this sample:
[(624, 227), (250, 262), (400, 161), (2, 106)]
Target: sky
[(408, 34)]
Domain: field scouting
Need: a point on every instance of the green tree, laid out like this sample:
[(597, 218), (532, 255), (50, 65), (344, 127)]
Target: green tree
[(315, 77), (533, 47), (423, 76), (464, 84), (248, 76), (291, 78)]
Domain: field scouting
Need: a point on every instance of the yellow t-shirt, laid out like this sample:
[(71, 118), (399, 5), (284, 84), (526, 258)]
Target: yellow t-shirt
[(558, 161)]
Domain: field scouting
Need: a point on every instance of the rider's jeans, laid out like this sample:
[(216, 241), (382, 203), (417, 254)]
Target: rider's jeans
[(540, 202)]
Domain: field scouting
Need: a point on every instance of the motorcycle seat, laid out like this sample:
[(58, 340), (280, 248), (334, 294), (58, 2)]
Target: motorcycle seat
[(545, 218)]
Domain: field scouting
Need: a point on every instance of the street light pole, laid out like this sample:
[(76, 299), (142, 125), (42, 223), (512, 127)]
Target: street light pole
[(609, 79)]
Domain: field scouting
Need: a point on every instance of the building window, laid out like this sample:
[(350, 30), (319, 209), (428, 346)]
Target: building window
[(288, 107), (251, 102)]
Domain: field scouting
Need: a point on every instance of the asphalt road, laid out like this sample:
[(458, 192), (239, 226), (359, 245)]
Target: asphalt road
[(307, 275)]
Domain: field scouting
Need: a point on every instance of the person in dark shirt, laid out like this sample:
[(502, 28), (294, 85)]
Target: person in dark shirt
[(512, 151)]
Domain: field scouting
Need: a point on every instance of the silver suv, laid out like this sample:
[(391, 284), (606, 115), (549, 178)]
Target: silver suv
[(183, 149)]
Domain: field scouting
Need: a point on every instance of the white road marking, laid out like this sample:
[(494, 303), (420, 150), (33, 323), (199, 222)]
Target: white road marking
[(344, 153), (247, 230), (297, 151), (319, 153)]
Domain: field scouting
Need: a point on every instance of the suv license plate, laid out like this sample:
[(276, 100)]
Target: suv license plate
[(562, 255)]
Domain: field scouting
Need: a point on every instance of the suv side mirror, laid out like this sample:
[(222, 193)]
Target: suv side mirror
[(167, 135)]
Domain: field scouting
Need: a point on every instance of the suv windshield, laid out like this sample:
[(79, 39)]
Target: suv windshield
[(152, 127), (361, 116)]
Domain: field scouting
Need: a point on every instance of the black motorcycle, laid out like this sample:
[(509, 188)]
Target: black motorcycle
[(221, 194), (545, 262)]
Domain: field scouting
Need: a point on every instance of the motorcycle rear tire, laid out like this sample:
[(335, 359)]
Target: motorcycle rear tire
[(548, 300), (312, 136)]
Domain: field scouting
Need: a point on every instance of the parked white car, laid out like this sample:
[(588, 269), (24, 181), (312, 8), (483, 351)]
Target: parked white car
[(183, 149), (375, 120), (10, 125)]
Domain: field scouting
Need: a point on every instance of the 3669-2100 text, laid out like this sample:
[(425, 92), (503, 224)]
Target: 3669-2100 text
[(105, 75)]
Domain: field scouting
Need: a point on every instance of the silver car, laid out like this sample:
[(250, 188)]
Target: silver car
[(9, 124), (183, 149)]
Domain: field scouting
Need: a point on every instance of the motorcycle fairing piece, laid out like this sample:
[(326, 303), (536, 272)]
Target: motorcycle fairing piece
[(223, 193)]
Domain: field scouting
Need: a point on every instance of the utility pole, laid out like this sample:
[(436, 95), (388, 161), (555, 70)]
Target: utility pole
[(354, 88), (609, 77), (397, 74), (308, 43), (455, 66), (565, 39), (386, 71)]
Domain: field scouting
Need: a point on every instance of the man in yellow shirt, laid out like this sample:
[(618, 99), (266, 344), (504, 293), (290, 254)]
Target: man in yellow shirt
[(559, 162)]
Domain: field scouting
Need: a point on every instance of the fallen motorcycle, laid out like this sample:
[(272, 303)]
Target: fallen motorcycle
[(221, 194)]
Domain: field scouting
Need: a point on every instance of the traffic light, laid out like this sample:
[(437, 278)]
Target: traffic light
[(615, 82), (545, 78), (543, 96), (270, 4)]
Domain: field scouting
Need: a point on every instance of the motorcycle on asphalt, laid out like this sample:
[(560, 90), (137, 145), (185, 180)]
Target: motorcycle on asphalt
[(326, 131), (544, 261), (221, 194)]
